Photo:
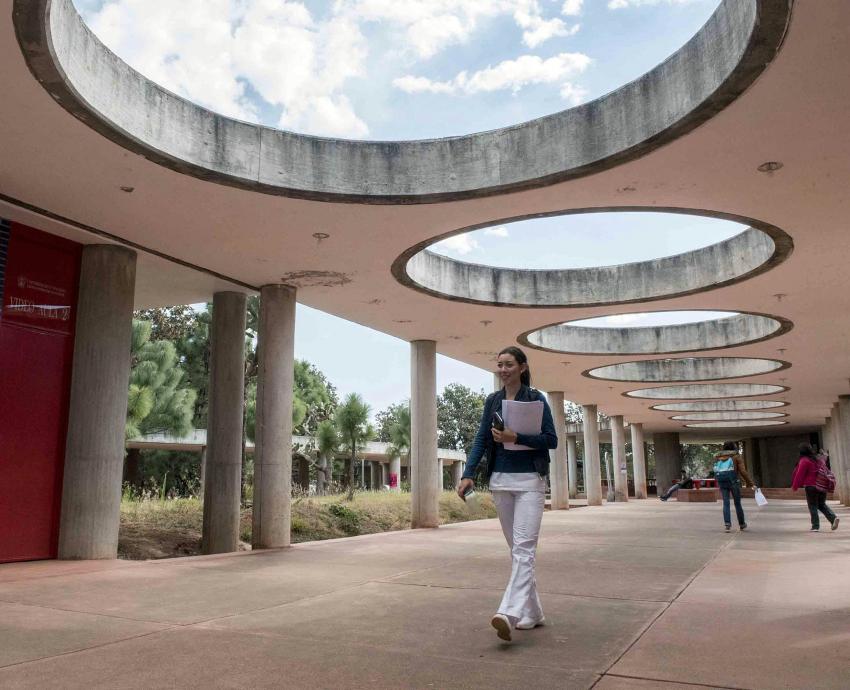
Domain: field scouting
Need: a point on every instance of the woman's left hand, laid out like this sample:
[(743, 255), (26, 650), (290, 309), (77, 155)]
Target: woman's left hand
[(504, 436)]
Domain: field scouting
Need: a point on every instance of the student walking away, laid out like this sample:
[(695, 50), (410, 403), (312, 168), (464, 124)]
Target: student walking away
[(685, 482), (729, 469), (817, 479), (517, 479)]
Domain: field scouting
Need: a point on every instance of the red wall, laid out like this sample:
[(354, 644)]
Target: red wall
[(36, 350)]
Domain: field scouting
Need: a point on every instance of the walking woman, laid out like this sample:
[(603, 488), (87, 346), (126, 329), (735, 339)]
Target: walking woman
[(806, 475), (729, 469), (517, 480)]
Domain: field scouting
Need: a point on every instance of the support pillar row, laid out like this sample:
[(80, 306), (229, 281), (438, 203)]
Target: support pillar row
[(223, 480), (273, 454), (423, 434), (558, 474), (572, 463), (668, 460), (638, 460), (592, 468), (621, 477), (842, 421), (94, 446)]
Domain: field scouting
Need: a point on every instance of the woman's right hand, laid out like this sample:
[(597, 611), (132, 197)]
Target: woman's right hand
[(464, 486)]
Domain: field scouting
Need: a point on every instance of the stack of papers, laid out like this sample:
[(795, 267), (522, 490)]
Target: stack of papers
[(522, 417)]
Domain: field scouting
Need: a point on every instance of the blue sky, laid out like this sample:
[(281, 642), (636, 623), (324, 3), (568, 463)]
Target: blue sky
[(402, 69)]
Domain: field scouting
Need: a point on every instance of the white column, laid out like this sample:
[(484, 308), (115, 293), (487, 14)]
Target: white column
[(835, 458), (395, 474), (842, 422), (638, 460), (457, 473), (592, 467), (439, 475), (618, 442), (94, 445), (572, 461), (423, 434), (558, 457), (223, 485), (273, 455), (497, 382)]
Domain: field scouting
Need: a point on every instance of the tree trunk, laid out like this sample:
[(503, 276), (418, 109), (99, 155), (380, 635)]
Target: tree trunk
[(322, 475)]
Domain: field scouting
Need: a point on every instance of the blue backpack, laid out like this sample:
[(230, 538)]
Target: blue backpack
[(724, 468)]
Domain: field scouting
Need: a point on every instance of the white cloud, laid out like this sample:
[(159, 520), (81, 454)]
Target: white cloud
[(222, 54), (621, 4), (498, 231), (510, 75), (572, 8), (460, 244)]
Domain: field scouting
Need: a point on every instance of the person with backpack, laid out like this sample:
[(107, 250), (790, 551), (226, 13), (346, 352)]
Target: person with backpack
[(729, 468), (818, 480), (517, 479)]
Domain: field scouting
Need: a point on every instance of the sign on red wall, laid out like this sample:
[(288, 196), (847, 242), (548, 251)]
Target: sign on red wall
[(36, 350)]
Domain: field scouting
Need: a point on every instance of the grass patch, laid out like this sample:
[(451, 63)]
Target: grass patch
[(152, 528)]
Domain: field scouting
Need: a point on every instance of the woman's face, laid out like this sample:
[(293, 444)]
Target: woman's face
[(509, 369)]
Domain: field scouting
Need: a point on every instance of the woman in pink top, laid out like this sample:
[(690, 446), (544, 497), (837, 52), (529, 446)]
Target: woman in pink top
[(805, 475)]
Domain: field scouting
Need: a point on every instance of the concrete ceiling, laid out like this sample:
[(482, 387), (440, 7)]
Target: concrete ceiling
[(197, 236)]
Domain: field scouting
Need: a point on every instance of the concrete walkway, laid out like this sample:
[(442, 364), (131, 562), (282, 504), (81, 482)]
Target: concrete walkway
[(638, 595)]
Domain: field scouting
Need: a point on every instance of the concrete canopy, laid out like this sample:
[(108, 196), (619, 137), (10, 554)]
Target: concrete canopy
[(750, 88)]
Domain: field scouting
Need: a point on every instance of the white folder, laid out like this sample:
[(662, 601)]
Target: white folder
[(522, 417)]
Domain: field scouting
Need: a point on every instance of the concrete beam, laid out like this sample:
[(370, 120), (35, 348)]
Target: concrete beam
[(592, 466), (94, 447), (687, 369), (223, 488), (423, 417)]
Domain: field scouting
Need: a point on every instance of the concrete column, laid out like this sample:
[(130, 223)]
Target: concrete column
[(841, 422), (764, 463), (423, 434), (638, 460), (273, 454), (572, 462), (668, 460), (618, 443), (203, 471), (395, 472), (222, 490), (457, 473), (303, 475), (837, 462), (94, 445), (558, 474), (592, 468), (497, 382)]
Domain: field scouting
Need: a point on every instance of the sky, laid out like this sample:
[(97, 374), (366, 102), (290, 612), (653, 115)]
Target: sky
[(408, 69)]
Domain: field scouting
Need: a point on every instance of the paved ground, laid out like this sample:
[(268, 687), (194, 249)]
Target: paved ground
[(638, 595)]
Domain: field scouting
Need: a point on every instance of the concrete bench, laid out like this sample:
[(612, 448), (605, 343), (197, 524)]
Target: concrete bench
[(697, 495)]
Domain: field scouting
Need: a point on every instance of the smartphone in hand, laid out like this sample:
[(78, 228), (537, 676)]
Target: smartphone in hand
[(498, 422)]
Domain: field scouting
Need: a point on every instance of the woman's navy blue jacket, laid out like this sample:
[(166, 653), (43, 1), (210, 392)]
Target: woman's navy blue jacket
[(501, 460)]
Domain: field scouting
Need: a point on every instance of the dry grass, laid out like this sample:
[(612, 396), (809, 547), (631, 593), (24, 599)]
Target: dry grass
[(162, 529)]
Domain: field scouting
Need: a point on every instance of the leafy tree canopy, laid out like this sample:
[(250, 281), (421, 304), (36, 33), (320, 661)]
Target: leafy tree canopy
[(459, 411), (159, 399)]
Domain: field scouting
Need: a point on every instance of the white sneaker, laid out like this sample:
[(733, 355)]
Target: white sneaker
[(530, 623), (502, 625)]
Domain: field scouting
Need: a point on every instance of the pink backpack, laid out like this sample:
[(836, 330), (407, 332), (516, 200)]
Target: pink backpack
[(825, 480)]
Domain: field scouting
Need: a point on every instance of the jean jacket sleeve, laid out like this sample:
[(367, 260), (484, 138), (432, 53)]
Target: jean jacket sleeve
[(547, 438)]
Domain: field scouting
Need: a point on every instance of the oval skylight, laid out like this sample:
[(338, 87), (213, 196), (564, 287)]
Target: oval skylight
[(381, 70)]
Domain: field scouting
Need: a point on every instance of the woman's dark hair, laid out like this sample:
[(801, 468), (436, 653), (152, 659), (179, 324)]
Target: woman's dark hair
[(730, 445), (807, 450), (519, 356)]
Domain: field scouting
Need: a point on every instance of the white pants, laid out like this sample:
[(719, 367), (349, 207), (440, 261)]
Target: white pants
[(520, 513)]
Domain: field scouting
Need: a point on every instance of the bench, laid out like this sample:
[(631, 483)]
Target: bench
[(697, 495)]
